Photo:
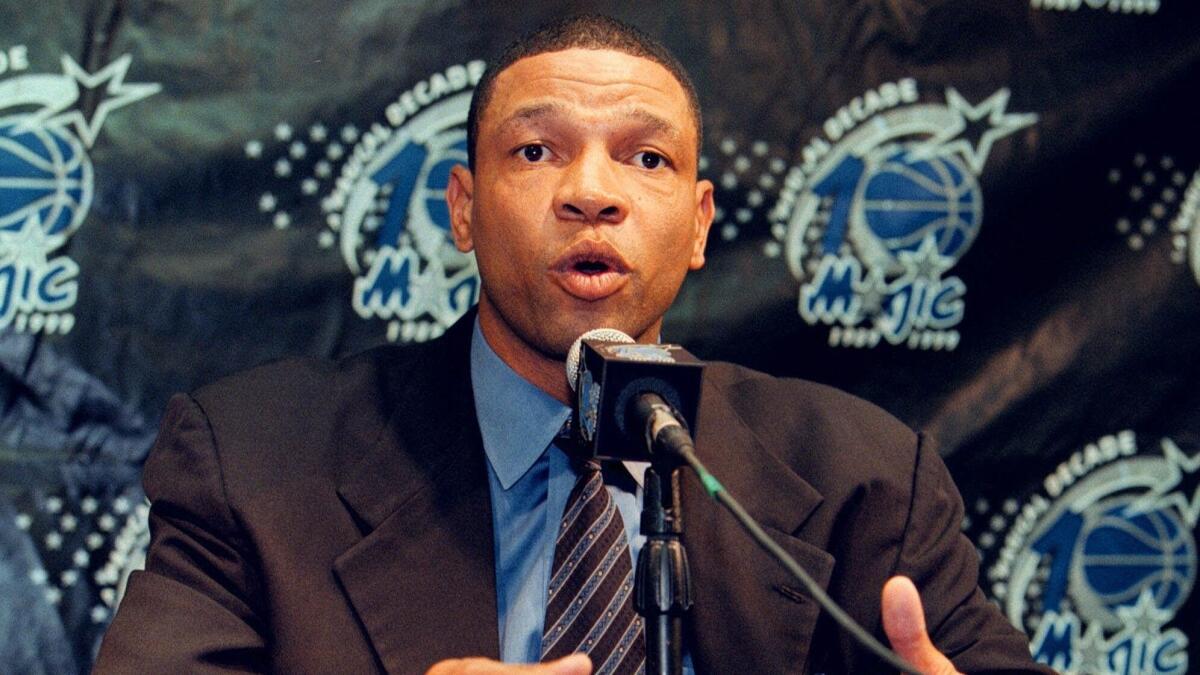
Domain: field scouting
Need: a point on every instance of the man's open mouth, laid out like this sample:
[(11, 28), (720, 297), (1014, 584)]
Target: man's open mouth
[(590, 270), (591, 266)]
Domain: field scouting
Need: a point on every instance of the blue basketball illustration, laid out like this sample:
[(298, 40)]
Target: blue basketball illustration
[(437, 177), (1122, 555), (904, 201), (44, 174), (418, 174)]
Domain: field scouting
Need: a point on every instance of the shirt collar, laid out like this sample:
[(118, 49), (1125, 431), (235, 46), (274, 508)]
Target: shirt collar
[(516, 419)]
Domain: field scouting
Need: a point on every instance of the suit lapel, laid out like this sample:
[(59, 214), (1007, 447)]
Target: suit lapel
[(422, 579), (749, 613)]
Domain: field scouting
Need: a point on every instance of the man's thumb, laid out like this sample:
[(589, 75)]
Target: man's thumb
[(575, 664), (904, 623)]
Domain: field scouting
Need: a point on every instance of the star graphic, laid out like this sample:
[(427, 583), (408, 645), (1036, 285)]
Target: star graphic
[(26, 245), (1181, 478), (1145, 617), (873, 292), (115, 94), (1092, 652), (425, 290), (926, 262), (950, 139)]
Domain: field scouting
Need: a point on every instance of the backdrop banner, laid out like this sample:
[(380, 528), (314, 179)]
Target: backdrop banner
[(982, 216)]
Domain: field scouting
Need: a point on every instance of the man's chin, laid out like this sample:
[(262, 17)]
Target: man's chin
[(557, 327), (565, 334)]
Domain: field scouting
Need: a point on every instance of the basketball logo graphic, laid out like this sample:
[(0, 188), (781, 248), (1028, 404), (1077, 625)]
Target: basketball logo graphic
[(1186, 224), (395, 226), (1122, 556), (45, 176), (46, 185), (1096, 564), (384, 208), (1123, 6), (881, 207), (903, 202)]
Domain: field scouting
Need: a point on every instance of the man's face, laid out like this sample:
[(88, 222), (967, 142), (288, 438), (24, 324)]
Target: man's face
[(584, 210)]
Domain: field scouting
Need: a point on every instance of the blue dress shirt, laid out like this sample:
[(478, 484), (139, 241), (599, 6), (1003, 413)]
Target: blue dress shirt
[(530, 480)]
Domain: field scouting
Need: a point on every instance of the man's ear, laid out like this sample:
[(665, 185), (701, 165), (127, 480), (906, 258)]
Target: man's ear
[(705, 210), (459, 193)]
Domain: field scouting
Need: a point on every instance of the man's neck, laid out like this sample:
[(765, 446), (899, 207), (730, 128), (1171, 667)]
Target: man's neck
[(544, 372)]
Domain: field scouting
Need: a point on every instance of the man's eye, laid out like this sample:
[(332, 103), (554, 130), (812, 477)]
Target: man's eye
[(649, 160), (534, 152)]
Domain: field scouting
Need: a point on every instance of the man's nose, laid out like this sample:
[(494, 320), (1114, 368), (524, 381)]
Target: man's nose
[(591, 190)]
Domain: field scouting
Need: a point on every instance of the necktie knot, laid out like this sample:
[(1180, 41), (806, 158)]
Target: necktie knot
[(585, 465), (582, 462)]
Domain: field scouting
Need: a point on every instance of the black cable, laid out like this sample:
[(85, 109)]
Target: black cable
[(685, 450)]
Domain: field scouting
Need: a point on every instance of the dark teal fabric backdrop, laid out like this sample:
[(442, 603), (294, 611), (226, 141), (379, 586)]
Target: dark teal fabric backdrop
[(980, 214)]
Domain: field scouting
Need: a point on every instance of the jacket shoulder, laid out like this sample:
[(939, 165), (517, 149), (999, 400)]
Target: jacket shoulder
[(276, 384), (299, 416), (830, 437)]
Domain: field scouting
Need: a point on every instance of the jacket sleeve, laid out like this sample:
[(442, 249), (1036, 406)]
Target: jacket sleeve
[(944, 565), (193, 608)]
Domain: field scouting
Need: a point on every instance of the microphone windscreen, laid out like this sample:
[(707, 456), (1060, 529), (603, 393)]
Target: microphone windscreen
[(602, 334)]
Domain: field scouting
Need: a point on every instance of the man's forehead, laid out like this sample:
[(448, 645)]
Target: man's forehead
[(639, 87), (592, 64)]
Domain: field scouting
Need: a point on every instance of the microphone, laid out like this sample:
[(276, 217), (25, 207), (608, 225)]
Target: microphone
[(623, 388), (632, 401)]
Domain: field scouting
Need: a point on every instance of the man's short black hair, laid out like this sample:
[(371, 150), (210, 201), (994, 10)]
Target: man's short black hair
[(585, 31)]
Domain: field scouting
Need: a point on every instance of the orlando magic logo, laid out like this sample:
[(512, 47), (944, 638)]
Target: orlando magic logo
[(882, 206), (1111, 6), (1098, 563), (389, 213), (46, 183), (588, 403), (650, 353), (1189, 221)]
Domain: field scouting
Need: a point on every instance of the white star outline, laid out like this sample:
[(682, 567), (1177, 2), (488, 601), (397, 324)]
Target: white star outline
[(117, 94), (27, 245), (1144, 617), (1091, 650), (1164, 494), (872, 291), (927, 262), (948, 141)]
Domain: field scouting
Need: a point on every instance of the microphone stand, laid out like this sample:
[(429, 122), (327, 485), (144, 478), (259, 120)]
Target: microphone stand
[(663, 583)]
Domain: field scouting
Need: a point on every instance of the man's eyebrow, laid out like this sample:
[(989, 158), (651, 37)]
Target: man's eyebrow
[(532, 113), (655, 123), (538, 111)]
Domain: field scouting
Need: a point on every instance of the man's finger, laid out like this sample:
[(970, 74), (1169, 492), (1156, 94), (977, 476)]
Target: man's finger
[(904, 623), (575, 664)]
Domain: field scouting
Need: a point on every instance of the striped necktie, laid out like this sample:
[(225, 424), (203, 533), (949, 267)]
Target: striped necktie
[(590, 598)]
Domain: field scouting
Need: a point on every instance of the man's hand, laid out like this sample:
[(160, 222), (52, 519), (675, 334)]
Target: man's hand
[(904, 623), (575, 664)]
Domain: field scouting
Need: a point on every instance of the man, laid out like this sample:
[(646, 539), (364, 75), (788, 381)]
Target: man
[(402, 508)]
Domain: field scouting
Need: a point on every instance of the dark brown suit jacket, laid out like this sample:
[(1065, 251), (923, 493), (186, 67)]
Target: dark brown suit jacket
[(311, 517)]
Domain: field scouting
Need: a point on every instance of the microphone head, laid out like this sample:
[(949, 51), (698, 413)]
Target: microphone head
[(601, 334)]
